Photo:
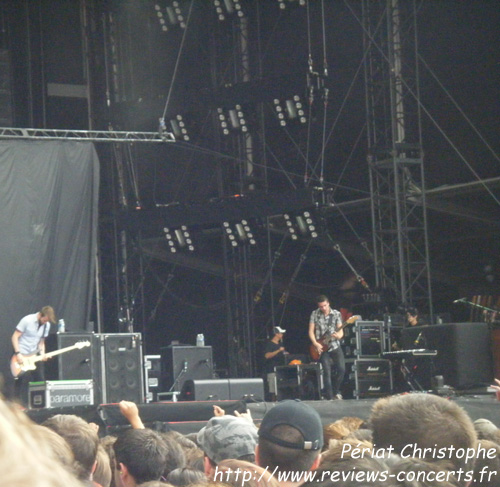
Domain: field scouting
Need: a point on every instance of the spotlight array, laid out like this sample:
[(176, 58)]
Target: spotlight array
[(180, 238), (290, 109), (173, 13), (240, 233), (234, 119), (225, 7), (179, 128), (303, 224)]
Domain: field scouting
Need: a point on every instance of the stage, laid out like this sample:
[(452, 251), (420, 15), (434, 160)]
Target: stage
[(190, 416)]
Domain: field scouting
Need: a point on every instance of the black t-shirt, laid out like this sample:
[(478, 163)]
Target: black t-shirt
[(278, 359)]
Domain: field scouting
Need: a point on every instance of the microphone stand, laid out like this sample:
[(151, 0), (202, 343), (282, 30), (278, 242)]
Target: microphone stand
[(176, 381)]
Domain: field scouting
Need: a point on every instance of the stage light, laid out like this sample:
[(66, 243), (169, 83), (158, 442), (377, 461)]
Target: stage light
[(179, 128), (161, 17), (241, 230), (182, 237), (303, 224), (289, 225), (234, 120), (282, 3), (293, 108)]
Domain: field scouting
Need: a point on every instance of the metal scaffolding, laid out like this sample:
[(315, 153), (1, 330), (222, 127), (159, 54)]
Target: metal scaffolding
[(87, 135), (395, 155)]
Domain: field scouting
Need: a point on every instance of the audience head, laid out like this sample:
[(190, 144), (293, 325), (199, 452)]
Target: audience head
[(27, 459), (185, 476), (176, 458), (82, 439), (422, 421), (228, 437), (290, 437), (486, 430), (140, 456), (103, 474)]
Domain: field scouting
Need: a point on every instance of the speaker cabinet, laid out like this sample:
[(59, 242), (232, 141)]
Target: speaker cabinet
[(369, 338), (464, 355), (246, 389), (182, 363), (77, 364), (121, 367), (205, 390)]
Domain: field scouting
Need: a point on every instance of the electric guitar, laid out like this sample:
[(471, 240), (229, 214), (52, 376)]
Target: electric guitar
[(327, 338), (29, 361)]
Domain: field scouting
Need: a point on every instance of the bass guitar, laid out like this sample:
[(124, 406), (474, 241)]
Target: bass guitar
[(327, 338), (30, 361)]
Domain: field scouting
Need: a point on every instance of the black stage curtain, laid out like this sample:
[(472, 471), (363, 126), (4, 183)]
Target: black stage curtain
[(48, 233)]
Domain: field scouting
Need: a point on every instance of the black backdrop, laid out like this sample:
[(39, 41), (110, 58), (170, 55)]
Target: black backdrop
[(48, 233)]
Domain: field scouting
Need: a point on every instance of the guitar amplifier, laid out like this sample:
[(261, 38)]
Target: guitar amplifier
[(59, 393), (372, 378), (370, 338)]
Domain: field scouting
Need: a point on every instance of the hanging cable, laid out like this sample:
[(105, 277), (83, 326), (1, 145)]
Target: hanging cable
[(310, 93), (174, 74), (325, 91), (286, 292)]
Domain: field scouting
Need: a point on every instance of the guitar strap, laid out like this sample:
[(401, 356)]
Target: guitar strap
[(43, 336), (330, 329)]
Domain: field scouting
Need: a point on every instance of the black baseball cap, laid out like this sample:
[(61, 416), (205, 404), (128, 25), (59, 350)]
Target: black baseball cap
[(299, 415)]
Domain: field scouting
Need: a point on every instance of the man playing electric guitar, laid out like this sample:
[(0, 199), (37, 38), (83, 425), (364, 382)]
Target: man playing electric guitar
[(326, 322), (27, 339)]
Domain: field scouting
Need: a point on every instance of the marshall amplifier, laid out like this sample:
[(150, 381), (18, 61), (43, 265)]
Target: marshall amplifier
[(370, 368), (372, 378), (60, 393), (366, 389)]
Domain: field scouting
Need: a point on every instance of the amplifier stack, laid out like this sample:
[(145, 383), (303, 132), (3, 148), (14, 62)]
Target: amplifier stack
[(367, 374)]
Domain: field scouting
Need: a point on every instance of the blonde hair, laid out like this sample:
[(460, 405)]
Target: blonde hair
[(26, 457), (48, 311)]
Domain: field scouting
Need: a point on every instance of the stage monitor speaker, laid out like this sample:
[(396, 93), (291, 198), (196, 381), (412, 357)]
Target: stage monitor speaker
[(242, 389), (184, 362), (77, 364), (463, 357), (205, 390), (121, 367)]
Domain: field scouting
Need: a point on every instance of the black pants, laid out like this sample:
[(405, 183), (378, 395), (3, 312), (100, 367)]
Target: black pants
[(333, 363)]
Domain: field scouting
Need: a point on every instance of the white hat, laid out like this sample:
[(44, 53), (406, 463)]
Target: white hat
[(278, 329)]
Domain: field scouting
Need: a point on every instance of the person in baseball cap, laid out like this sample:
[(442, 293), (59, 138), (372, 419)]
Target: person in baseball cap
[(290, 438), (274, 356), (226, 437)]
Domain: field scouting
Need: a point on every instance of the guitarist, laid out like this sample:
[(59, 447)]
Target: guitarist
[(325, 334), (28, 339)]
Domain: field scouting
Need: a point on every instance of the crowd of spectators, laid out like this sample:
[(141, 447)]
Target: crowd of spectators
[(409, 440)]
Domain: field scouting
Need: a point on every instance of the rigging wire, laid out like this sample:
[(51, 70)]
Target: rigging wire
[(174, 74), (459, 108), (427, 112)]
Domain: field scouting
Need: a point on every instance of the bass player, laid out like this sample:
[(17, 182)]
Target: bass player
[(28, 339), (325, 333)]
